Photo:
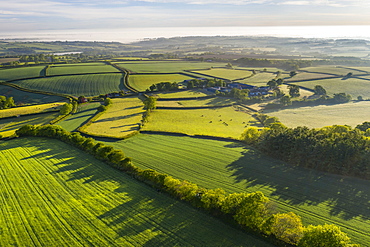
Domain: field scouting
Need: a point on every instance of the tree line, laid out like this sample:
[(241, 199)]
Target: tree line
[(252, 211)]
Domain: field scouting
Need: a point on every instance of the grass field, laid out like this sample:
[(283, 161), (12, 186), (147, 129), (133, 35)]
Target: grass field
[(25, 110), (8, 126), (87, 85), (222, 122), (307, 76), (217, 101), (259, 79), (120, 120), (83, 114), (20, 73), (229, 74), (324, 115), (317, 197), (183, 94), (80, 68), (21, 97), (55, 195), (143, 82), (340, 71), (166, 66)]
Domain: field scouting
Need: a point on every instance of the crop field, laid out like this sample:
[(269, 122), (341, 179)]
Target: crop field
[(83, 114), (183, 94), (351, 114), (317, 197), (230, 74), (120, 120), (25, 110), (217, 101), (84, 68), (259, 79), (353, 86), (166, 66), (8, 126), (77, 85), (143, 82), (20, 73), (21, 97), (53, 194), (221, 122), (340, 71)]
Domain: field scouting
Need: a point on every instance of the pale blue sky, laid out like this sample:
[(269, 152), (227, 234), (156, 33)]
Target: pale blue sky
[(22, 15)]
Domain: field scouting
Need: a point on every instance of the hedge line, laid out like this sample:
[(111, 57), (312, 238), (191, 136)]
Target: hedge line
[(252, 211)]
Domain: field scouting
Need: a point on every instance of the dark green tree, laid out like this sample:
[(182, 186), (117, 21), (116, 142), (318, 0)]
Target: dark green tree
[(319, 90)]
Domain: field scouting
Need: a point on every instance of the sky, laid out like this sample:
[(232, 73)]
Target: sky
[(31, 15)]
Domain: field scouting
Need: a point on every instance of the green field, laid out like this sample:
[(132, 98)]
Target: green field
[(222, 122), (77, 85), (80, 68), (317, 197), (166, 66), (83, 114), (8, 126), (217, 101), (143, 82), (55, 195), (183, 94), (352, 114), (307, 76), (337, 70), (20, 73), (121, 119), (259, 79), (229, 74), (32, 109), (21, 97)]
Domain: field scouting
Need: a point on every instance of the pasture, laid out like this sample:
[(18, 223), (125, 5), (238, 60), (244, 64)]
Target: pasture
[(77, 85), (221, 122), (352, 114), (121, 119), (166, 66), (33, 109), (259, 79), (183, 94), (317, 197), (230, 74), (307, 76), (80, 68), (216, 101), (8, 126), (83, 114), (335, 70), (20, 73), (143, 82), (55, 195)]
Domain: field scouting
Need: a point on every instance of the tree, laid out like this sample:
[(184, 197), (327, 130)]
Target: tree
[(294, 91), (251, 135), (287, 227), (364, 126), (324, 236), (150, 103), (292, 73), (229, 66), (285, 100), (279, 81), (66, 109), (341, 98), (319, 90), (272, 83)]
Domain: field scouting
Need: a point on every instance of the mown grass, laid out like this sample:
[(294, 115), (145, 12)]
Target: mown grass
[(20, 73), (84, 68), (121, 119), (230, 74), (8, 126), (221, 122), (166, 66), (83, 114), (317, 197), (183, 94), (21, 97), (25, 110), (351, 114), (55, 195), (143, 82), (217, 101), (77, 85)]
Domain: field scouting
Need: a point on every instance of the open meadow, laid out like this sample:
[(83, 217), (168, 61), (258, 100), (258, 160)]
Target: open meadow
[(55, 195), (183, 94), (317, 197), (20, 73), (334, 70), (122, 118), (143, 82), (216, 101), (76, 85), (33, 109), (80, 68), (229, 74), (259, 79), (221, 122)]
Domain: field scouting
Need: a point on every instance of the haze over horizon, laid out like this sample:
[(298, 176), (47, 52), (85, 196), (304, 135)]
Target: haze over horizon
[(26, 15)]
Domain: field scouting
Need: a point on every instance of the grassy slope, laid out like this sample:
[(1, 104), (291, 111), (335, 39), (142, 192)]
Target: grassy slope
[(319, 116), (25, 110), (331, 70), (87, 85), (55, 195), (259, 79), (218, 101), (143, 82), (121, 119), (80, 69), (19, 73), (318, 198), (226, 73), (209, 122), (83, 114), (183, 94)]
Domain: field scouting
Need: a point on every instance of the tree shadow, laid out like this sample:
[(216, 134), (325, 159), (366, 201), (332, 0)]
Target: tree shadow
[(347, 197)]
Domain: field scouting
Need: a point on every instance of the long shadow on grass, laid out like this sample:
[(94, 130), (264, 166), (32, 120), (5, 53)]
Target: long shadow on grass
[(348, 197)]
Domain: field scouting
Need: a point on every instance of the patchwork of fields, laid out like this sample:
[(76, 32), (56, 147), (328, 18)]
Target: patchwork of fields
[(317, 197), (53, 194), (142, 82), (229, 74)]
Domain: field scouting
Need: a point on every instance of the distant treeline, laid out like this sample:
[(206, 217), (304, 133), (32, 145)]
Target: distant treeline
[(252, 211)]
